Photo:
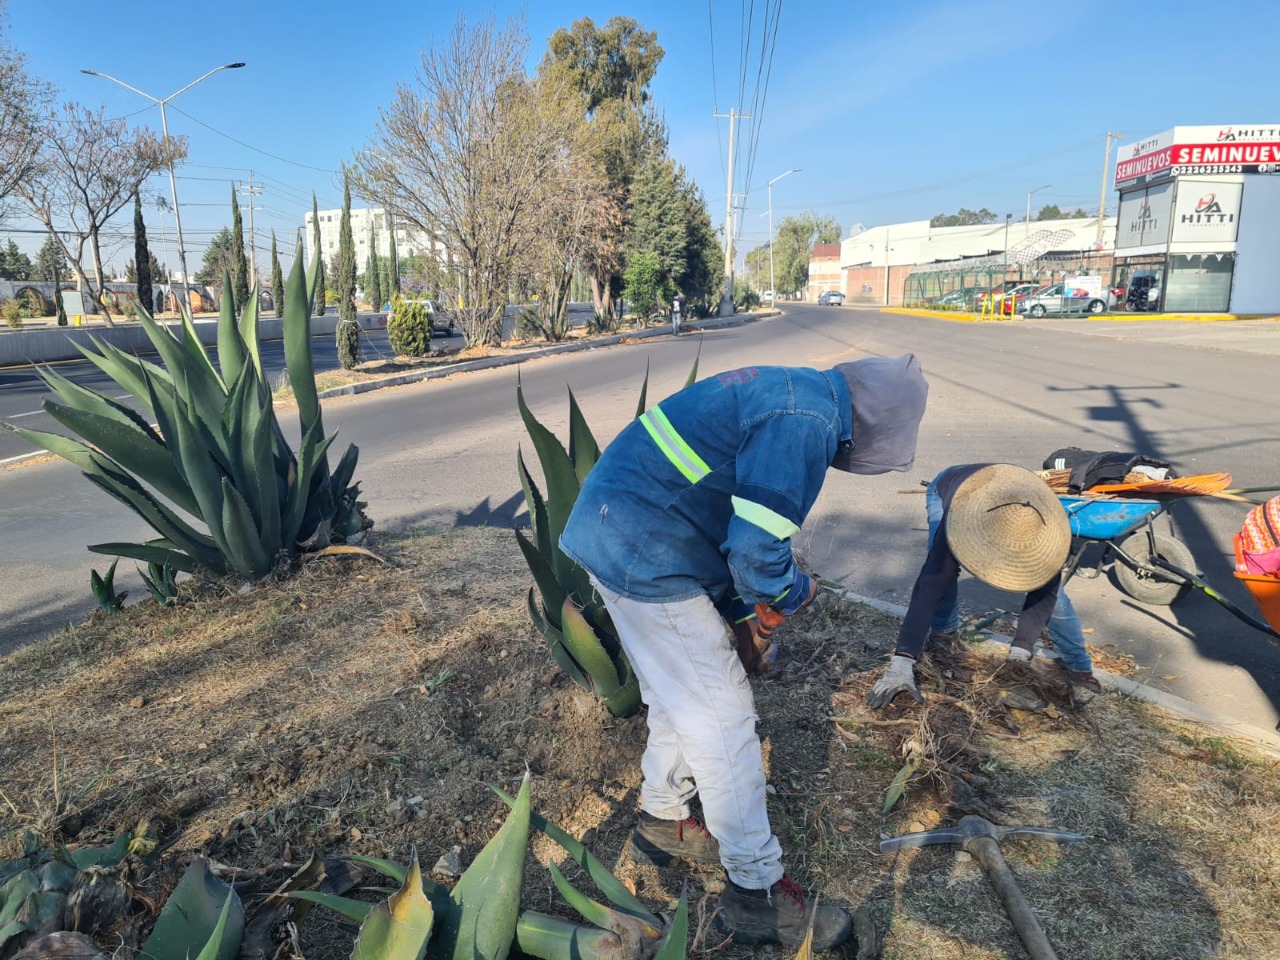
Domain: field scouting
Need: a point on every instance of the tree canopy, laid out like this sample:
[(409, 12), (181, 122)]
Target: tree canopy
[(614, 62), (964, 218)]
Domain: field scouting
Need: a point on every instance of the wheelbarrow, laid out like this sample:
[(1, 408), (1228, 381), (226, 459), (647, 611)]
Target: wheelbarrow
[(1152, 567)]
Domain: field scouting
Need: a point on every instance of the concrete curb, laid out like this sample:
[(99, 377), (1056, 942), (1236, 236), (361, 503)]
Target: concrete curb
[(486, 363), (963, 317), (1266, 740)]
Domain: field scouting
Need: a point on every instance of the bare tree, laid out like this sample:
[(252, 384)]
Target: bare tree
[(89, 169), (22, 101), (464, 154), (579, 212)]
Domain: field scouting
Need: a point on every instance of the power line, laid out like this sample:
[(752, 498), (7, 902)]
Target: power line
[(250, 146)]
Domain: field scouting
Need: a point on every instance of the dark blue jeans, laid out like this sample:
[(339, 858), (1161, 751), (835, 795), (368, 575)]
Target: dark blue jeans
[(1064, 623)]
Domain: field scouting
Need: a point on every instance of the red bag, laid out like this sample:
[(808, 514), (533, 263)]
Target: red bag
[(1258, 542)]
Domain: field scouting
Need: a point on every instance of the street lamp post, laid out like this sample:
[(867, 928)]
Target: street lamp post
[(173, 183), (1029, 193), (773, 290)]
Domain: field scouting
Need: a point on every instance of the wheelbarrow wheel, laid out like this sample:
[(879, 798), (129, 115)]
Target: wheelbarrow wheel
[(1147, 587)]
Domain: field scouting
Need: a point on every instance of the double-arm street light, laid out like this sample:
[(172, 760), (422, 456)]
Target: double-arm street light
[(173, 183), (773, 290)]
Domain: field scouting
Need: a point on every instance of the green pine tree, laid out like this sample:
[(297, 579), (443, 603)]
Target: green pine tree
[(141, 255), (277, 278), (50, 263), (348, 332), (239, 264), (373, 273), (318, 307), (393, 265)]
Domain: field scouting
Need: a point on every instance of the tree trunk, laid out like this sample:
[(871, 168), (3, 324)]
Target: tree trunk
[(600, 294)]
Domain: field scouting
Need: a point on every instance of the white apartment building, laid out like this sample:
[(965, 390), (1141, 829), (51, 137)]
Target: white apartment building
[(410, 241)]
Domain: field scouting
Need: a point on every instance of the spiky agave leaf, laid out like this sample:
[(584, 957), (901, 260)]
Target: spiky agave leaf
[(485, 902), (586, 649), (196, 908), (399, 927), (631, 929), (614, 890)]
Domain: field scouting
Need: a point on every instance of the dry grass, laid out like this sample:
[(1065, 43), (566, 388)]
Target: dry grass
[(361, 708)]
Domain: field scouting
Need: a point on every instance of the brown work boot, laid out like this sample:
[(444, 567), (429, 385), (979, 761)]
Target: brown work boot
[(780, 915), (657, 841)]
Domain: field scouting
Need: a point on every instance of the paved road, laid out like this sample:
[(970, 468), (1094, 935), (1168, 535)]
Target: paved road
[(442, 453), (22, 391)]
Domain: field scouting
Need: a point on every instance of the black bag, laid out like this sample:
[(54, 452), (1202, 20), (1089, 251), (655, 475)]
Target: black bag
[(1089, 468)]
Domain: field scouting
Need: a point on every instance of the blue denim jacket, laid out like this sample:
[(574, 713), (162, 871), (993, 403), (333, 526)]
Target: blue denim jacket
[(705, 491)]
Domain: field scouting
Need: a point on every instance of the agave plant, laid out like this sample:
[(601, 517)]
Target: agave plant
[(572, 618), (481, 915), (217, 452), (46, 884), (104, 588)]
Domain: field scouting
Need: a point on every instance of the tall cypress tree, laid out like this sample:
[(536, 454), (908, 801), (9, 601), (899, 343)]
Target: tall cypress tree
[(319, 306), (141, 256), (239, 264), (348, 333), (393, 264), (373, 273), (277, 278)]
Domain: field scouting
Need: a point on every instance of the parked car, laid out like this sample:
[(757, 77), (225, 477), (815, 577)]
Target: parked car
[(831, 298), (1050, 300), (957, 298)]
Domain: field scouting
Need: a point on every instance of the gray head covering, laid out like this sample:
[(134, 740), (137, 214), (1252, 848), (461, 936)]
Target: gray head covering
[(888, 396)]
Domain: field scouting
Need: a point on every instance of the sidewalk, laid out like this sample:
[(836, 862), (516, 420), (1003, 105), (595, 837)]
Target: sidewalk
[(1259, 335)]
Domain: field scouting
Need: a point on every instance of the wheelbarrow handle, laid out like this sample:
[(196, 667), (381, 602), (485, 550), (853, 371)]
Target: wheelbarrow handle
[(1213, 594)]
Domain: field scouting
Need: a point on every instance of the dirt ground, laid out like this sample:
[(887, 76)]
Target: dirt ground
[(362, 708)]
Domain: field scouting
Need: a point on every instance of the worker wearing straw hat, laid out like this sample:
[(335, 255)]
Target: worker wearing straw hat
[(1005, 526)]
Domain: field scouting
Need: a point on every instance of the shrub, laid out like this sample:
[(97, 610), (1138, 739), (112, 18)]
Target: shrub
[(11, 310), (642, 284), (745, 298), (33, 304), (409, 328)]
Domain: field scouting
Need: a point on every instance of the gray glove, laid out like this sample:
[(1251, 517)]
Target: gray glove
[(899, 678)]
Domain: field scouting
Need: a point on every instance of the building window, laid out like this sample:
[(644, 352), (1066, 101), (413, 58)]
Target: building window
[(1199, 282)]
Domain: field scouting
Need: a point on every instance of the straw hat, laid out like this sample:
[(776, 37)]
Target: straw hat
[(1007, 528)]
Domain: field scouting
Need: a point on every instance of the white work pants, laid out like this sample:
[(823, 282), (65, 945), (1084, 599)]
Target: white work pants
[(702, 729)]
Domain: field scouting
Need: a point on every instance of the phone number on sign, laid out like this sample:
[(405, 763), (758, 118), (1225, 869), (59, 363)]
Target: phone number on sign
[(1208, 168)]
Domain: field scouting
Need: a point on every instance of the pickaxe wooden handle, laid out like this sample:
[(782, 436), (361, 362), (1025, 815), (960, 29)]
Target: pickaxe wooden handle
[(981, 838)]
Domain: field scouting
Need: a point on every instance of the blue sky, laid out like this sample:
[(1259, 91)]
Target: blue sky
[(892, 111)]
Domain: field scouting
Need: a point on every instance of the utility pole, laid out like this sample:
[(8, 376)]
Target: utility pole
[(1102, 194), (252, 190), (726, 298)]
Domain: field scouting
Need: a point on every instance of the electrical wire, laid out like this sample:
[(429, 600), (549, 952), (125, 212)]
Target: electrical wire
[(250, 146)]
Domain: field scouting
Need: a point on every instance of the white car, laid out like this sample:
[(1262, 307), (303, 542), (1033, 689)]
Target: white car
[(1051, 301), (831, 298)]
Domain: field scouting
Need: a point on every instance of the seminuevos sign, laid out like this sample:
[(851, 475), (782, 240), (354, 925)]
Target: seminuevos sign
[(1200, 150)]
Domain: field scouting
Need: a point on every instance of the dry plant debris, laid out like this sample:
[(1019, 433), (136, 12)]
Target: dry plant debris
[(360, 708)]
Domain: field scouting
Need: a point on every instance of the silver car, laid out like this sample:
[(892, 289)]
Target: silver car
[(1051, 301)]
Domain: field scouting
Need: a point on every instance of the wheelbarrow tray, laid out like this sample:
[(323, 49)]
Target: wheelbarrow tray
[(1105, 518), (1265, 590)]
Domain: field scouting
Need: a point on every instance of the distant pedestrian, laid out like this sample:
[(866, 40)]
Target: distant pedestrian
[(677, 312)]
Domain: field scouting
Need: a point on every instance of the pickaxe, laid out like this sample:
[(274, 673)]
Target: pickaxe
[(981, 838)]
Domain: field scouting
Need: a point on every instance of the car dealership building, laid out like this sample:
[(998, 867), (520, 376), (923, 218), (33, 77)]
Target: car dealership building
[(1199, 220)]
